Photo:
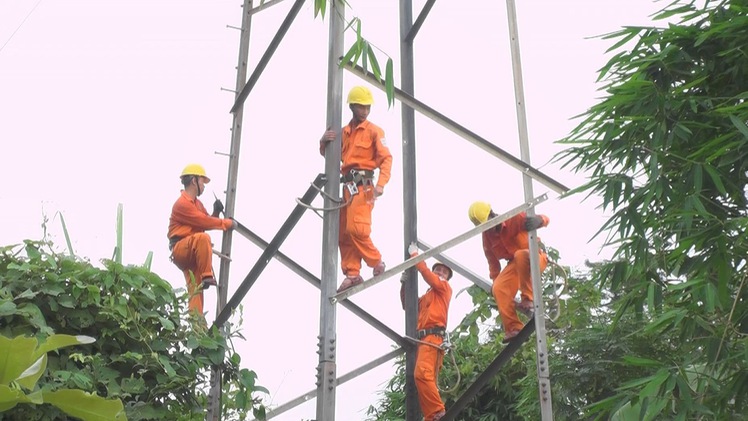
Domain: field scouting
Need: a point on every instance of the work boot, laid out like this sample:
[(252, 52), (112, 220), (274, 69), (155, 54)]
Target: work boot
[(209, 282), (379, 268), (439, 415), (509, 336), (350, 281), (526, 307)]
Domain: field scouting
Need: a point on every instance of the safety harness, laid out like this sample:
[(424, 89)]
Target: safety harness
[(420, 334), (351, 180), (355, 177), (173, 241), (445, 347)]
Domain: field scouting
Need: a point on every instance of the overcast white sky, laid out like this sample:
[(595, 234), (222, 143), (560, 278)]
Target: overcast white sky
[(104, 102)]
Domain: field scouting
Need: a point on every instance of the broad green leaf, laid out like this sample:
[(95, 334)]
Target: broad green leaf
[(7, 308), (31, 375), (26, 294), (15, 357), (56, 342), (86, 406), (9, 398)]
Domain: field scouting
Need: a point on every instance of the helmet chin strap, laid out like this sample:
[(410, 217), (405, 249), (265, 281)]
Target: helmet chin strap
[(197, 183)]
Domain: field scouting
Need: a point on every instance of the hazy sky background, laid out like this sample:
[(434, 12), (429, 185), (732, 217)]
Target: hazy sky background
[(105, 101)]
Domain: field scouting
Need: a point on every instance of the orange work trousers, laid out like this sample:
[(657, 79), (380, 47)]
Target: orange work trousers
[(428, 364), (193, 255), (355, 231), (515, 276)]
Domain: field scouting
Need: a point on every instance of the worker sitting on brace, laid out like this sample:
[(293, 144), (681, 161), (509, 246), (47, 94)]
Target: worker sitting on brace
[(433, 307), (363, 150), (191, 248), (510, 241)]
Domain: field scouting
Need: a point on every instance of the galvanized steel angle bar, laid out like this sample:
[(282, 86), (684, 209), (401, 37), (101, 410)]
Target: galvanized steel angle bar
[(438, 249)]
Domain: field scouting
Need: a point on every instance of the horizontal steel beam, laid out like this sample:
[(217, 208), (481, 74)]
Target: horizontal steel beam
[(463, 132), (264, 6), (457, 268), (340, 380), (438, 249)]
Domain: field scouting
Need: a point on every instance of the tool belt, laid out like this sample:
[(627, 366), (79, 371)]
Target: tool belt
[(420, 334), (357, 176), (173, 241)]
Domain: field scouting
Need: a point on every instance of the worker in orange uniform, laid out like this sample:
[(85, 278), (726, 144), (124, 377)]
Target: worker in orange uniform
[(191, 248), (363, 150), (433, 307), (510, 241)]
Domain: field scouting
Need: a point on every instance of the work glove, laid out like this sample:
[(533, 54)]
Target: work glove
[(534, 222), (412, 249), (217, 207)]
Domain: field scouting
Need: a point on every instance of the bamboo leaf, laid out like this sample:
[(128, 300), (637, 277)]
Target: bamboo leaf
[(148, 260), (641, 362), (740, 125), (716, 179), (653, 386), (320, 6), (389, 83), (374, 64), (627, 34), (118, 249), (67, 236)]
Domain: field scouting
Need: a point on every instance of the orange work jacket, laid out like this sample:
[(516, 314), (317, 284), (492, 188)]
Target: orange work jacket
[(363, 148), (434, 304), (505, 239), (188, 216)]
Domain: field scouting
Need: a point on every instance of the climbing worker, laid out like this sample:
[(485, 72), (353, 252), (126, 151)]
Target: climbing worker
[(363, 150), (432, 325), (510, 241), (191, 248)]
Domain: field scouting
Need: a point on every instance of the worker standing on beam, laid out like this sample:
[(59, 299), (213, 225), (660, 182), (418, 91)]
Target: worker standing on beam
[(363, 150), (191, 248), (510, 240), (433, 307)]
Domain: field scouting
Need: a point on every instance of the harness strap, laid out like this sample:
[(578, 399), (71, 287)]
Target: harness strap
[(431, 331), (173, 241), (356, 176)]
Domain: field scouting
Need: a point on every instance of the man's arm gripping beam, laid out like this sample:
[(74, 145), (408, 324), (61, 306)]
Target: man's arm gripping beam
[(438, 249)]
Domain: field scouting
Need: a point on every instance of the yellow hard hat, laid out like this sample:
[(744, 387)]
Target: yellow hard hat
[(195, 169), (360, 95), (479, 212)]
